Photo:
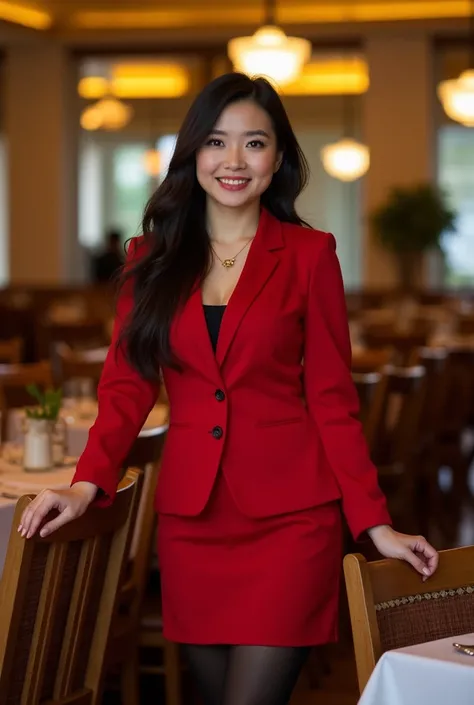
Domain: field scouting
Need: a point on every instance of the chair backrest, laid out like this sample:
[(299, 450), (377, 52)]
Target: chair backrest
[(394, 423), (402, 343), (11, 351), (370, 360), (366, 384), (391, 608), (72, 366), (89, 333), (59, 596), (458, 402), (435, 363), (145, 454)]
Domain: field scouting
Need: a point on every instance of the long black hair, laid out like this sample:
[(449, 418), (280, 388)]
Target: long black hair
[(177, 254)]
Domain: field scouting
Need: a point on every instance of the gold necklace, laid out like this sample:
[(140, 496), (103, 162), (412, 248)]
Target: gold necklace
[(230, 261)]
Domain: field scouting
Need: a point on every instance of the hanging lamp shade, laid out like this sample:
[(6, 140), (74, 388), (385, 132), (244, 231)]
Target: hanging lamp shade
[(346, 160), (457, 98), (107, 114), (91, 118), (114, 113), (269, 52)]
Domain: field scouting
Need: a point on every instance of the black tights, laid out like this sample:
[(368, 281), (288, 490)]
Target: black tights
[(245, 675)]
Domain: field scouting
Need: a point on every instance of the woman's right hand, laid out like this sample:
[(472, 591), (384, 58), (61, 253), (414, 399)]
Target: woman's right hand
[(70, 503)]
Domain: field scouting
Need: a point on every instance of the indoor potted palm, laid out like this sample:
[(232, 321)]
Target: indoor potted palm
[(410, 223)]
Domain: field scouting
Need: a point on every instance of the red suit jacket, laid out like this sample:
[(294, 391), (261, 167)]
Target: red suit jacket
[(285, 433)]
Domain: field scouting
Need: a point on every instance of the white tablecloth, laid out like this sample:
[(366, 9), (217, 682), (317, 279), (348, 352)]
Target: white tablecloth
[(79, 421), (433, 673)]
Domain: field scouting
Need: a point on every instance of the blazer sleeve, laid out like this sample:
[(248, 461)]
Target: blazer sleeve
[(332, 397), (124, 399)]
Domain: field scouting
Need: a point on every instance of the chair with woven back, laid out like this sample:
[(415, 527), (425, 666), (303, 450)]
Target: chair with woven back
[(11, 351), (59, 596), (391, 608), (135, 623)]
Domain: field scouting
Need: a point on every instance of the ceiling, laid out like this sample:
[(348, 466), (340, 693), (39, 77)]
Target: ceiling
[(161, 14)]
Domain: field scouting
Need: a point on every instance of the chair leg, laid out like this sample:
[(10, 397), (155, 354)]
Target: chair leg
[(172, 673), (130, 681)]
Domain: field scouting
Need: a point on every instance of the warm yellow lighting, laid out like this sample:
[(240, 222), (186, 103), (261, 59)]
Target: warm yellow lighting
[(331, 77), (269, 52), (298, 13), (152, 162), (114, 114), (346, 160), (375, 11), (108, 114), (93, 87), (138, 81), (91, 118), (26, 16), (457, 97)]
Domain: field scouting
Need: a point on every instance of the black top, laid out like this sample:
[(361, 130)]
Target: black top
[(213, 316)]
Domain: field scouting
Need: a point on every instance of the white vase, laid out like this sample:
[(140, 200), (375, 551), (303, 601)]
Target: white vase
[(38, 446)]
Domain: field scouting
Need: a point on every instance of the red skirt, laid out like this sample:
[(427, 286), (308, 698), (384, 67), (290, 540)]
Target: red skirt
[(230, 579)]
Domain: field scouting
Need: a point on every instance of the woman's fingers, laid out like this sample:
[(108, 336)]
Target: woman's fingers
[(418, 564), (36, 512), (424, 555), (57, 522)]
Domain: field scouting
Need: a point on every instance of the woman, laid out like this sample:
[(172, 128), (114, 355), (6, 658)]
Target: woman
[(225, 294)]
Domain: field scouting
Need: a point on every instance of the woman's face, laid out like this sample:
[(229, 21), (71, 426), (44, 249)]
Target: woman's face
[(237, 162)]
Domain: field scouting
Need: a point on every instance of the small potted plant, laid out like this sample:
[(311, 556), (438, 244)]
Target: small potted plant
[(41, 446), (410, 223)]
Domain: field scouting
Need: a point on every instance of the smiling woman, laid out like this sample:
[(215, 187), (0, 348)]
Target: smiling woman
[(240, 156), (224, 296)]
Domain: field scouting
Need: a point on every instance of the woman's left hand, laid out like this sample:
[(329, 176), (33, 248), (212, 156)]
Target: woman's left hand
[(415, 550)]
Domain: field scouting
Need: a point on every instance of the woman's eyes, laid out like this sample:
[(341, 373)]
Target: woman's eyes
[(254, 144)]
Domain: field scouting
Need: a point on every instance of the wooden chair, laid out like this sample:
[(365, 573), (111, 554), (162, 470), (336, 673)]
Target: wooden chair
[(429, 496), (73, 366), (11, 351), (150, 635), (370, 360), (456, 418), (390, 607), (392, 431), (403, 344), (58, 598), (367, 384), (136, 623), (83, 335)]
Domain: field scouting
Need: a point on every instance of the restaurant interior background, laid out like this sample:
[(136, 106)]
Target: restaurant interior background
[(92, 93)]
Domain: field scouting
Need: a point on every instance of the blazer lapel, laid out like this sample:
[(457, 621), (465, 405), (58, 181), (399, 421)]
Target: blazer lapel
[(191, 336), (260, 264)]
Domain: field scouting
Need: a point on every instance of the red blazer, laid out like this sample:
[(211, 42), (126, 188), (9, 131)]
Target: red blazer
[(243, 409)]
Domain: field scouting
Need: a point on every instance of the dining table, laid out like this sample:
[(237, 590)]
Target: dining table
[(15, 481), (435, 673), (78, 416)]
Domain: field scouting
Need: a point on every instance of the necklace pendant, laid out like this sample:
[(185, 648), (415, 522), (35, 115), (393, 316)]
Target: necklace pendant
[(228, 263)]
